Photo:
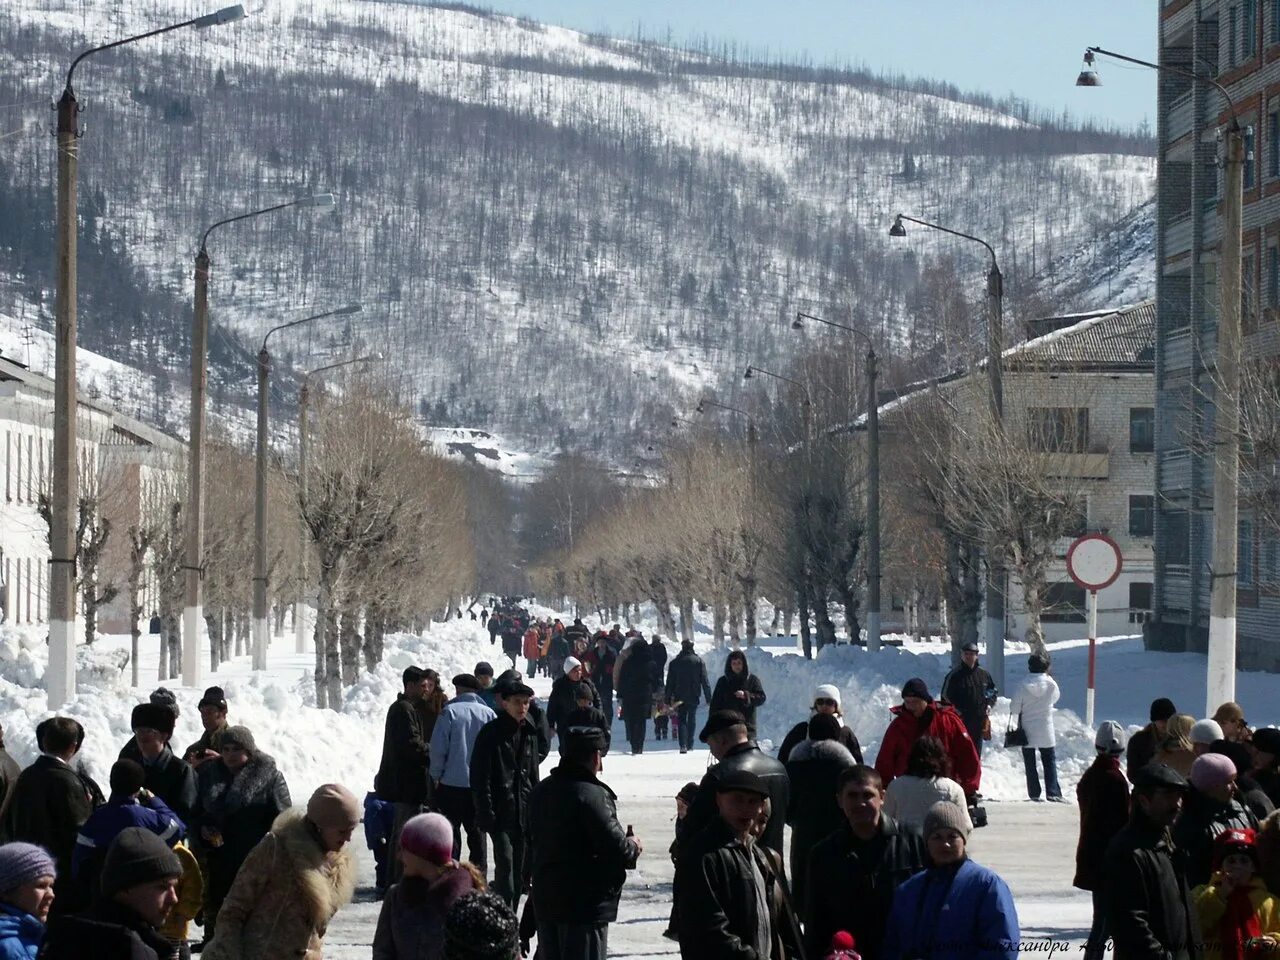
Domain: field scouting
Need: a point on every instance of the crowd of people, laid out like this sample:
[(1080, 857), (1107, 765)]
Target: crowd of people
[(1180, 849)]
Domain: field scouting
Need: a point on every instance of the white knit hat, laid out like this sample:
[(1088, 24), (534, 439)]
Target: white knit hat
[(827, 691), (1206, 731), (570, 664)]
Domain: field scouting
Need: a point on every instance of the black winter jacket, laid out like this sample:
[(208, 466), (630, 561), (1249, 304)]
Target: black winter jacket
[(1150, 915), (1141, 750), (851, 884), (504, 770), (687, 678), (1201, 820), (727, 686), (716, 914), (580, 852), (658, 654), (800, 733), (115, 932), (813, 769), (637, 679), (406, 754), (561, 703), (591, 717), (745, 756), (170, 778), (48, 806), (971, 692)]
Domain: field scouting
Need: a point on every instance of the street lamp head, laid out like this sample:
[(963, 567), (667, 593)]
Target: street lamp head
[(1088, 75), (219, 17), (349, 308), (699, 408), (898, 229), (747, 375), (319, 201), (675, 423), (797, 324)]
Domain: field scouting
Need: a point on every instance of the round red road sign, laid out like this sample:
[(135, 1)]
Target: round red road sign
[(1094, 561)]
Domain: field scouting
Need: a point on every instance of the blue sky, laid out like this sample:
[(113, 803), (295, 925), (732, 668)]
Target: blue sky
[(1028, 47)]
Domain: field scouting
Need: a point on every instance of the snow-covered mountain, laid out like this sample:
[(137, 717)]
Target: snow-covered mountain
[(556, 237)]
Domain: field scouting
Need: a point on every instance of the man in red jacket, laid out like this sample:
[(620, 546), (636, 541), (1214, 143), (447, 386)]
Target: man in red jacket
[(921, 715)]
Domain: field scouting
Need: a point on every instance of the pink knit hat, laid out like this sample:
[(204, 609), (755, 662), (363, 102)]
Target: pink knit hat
[(429, 836), (1211, 770)]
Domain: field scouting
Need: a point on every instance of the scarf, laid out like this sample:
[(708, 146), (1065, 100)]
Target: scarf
[(1238, 925)]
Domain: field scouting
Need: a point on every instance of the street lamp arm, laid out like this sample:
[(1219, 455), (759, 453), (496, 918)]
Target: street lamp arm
[(954, 233), (725, 406), (350, 308), (306, 377), (246, 216), (871, 347), (1169, 68)]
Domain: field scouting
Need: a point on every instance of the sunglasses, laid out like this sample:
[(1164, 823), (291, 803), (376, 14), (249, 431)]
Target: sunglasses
[(824, 702)]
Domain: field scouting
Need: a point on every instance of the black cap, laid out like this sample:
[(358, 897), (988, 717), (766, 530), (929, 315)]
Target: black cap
[(1162, 708), (971, 646), (484, 669), (413, 674), (466, 681), (743, 780), (582, 738), (1157, 776), (1267, 739), (512, 688), (213, 697), (915, 687), (721, 720)]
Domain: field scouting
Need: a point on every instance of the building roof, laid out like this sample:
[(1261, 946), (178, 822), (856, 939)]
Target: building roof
[(1119, 340)]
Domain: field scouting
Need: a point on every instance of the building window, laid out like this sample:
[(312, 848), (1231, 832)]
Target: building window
[(1058, 429), (1142, 514), (1176, 539), (1142, 429), (1139, 602), (1249, 27), (1244, 558), (1063, 603), (1273, 143), (1250, 163)]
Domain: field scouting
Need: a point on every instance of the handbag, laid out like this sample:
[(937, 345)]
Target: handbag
[(1015, 736)]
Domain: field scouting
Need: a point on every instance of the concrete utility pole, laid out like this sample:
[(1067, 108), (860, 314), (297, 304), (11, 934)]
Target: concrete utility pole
[(873, 477), (60, 679)]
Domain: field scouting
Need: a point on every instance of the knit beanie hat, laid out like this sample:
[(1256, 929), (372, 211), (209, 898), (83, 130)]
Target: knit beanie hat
[(1162, 708), (570, 664), (823, 726), (827, 691), (480, 926), (137, 856), (1206, 731), (1211, 771), (429, 836), (915, 687), (239, 737), (127, 778), (164, 697), (945, 815), (22, 863), (153, 716), (1110, 739), (333, 805)]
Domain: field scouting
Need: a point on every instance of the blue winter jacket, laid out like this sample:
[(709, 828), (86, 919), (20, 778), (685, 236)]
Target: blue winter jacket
[(945, 913), (105, 824), (20, 934), (454, 737)]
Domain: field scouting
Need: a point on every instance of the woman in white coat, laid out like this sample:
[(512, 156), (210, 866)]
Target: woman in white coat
[(1033, 705)]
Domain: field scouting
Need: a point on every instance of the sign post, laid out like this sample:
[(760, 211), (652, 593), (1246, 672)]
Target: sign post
[(1094, 563)]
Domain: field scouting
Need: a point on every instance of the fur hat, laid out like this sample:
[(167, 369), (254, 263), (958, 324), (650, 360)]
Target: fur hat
[(1210, 771), (1110, 739), (945, 815), (22, 863), (1206, 731), (154, 717), (333, 805), (136, 856), (239, 736), (827, 691), (480, 926), (429, 836)]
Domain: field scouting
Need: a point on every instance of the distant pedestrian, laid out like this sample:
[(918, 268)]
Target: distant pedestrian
[(564, 692), (686, 683), (1033, 706), (971, 690), (452, 746), (1103, 797), (1248, 791), (1144, 744), (637, 680), (739, 690), (484, 674), (826, 700), (599, 661)]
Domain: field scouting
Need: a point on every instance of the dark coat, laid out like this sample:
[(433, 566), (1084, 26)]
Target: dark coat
[(851, 884), (716, 915), (1141, 750), (115, 931), (800, 733), (504, 770), (538, 717), (49, 805), (687, 678), (724, 697), (592, 717), (1201, 820), (1103, 796), (638, 677), (600, 664), (745, 756), (1145, 897), (813, 813), (170, 778), (973, 693), (411, 922), (580, 853), (561, 703), (658, 654), (406, 754)]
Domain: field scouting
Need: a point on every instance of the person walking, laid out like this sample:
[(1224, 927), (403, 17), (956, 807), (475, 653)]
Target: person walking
[(168, 776), (918, 716), (1144, 744), (411, 922), (564, 692), (725, 734), (1146, 900), (826, 700), (1033, 706), (637, 678), (911, 796), (813, 813), (686, 683), (504, 770), (292, 883), (1209, 808), (1103, 797), (580, 853), (955, 909), (402, 777), (49, 804), (854, 872), (240, 796), (452, 745), (27, 873), (739, 690), (972, 691)]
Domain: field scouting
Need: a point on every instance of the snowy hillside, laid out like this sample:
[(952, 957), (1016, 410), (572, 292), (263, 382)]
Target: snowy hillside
[(559, 238)]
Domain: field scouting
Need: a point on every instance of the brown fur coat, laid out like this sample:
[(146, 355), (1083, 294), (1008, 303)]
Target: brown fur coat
[(284, 896)]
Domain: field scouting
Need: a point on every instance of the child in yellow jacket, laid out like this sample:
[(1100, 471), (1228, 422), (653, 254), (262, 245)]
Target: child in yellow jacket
[(1239, 919), (190, 898)]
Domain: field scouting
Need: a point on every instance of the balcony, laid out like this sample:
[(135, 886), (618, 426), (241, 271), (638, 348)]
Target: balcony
[(1177, 237), (1078, 466), (1181, 118), (1175, 474)]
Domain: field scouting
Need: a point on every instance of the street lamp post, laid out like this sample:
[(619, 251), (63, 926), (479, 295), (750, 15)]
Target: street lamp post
[(260, 620), (806, 401), (193, 609), (304, 397), (873, 478), (60, 680), (996, 573), (1221, 680)]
